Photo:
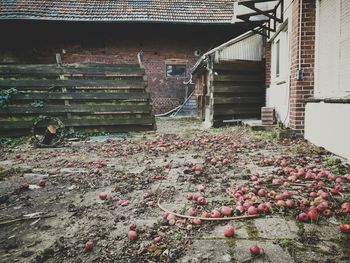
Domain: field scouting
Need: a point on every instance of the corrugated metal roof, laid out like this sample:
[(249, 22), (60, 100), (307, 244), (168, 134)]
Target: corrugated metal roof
[(247, 46), (160, 11)]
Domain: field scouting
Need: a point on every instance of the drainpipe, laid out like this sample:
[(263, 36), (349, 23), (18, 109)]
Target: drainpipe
[(300, 71)]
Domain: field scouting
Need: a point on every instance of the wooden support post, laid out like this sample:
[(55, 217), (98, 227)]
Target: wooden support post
[(69, 115)]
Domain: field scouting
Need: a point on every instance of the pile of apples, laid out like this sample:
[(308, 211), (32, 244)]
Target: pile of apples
[(218, 161)]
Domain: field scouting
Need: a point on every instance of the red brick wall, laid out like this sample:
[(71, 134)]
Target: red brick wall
[(268, 64), (38, 43), (166, 93), (299, 90)]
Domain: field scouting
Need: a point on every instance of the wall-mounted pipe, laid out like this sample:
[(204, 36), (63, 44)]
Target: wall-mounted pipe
[(300, 71)]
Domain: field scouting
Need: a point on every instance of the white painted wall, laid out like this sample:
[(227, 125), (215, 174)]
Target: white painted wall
[(277, 94), (332, 76), (328, 125)]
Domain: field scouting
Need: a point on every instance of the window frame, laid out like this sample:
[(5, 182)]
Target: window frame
[(175, 64), (280, 75), (278, 58)]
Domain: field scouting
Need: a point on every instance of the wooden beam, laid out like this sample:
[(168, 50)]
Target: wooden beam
[(71, 83), (82, 96), (86, 109)]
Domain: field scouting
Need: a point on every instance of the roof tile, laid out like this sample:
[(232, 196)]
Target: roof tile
[(161, 11)]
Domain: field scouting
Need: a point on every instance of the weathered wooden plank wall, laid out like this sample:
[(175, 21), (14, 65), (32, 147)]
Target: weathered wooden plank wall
[(87, 97), (238, 90)]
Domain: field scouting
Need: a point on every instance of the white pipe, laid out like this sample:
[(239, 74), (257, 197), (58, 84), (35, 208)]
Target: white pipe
[(167, 113), (300, 21), (183, 104)]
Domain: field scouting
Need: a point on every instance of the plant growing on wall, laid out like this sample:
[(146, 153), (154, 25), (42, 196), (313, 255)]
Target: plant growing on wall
[(5, 96), (38, 104)]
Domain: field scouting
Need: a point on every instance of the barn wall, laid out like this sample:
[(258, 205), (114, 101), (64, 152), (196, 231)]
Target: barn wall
[(116, 44)]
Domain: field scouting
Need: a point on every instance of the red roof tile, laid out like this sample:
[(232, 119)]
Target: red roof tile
[(159, 11)]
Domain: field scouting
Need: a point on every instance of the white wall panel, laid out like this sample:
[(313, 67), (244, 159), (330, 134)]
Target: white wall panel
[(328, 125), (250, 48), (344, 68), (328, 50)]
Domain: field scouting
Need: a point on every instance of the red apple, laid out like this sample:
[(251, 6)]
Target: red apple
[(254, 250), (226, 211), (346, 207), (290, 203), (312, 214), (132, 235), (262, 192), (252, 210), (344, 228), (303, 217), (201, 200), (196, 221), (103, 196), (229, 231), (215, 214), (89, 245), (192, 211), (262, 208), (41, 183)]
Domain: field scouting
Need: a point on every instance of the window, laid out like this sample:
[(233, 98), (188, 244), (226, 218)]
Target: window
[(280, 57), (278, 43), (176, 70)]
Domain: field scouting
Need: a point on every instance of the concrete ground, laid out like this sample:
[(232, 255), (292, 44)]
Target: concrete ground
[(137, 170)]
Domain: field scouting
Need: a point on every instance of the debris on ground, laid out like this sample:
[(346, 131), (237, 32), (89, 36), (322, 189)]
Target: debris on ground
[(179, 195)]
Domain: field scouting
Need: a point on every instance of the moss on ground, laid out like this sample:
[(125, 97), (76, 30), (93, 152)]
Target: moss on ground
[(252, 231)]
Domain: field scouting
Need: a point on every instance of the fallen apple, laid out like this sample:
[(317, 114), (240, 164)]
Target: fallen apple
[(157, 239), (215, 214), (201, 200), (255, 250), (132, 235), (262, 192), (344, 228), (346, 207), (226, 211), (197, 221), (89, 246), (41, 183), (303, 217), (312, 214), (229, 231), (189, 196), (252, 210), (192, 211), (102, 196)]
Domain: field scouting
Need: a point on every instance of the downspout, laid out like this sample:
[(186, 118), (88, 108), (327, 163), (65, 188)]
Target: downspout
[(300, 71)]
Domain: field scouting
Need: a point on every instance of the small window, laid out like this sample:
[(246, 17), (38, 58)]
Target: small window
[(278, 58), (177, 71)]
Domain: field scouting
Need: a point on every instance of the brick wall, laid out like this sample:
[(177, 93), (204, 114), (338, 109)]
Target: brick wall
[(268, 64), (166, 93), (38, 43), (299, 90), (268, 115), (162, 105)]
